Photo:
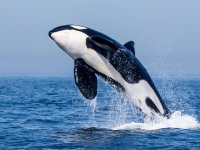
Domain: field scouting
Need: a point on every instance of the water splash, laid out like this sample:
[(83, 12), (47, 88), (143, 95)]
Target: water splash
[(92, 104), (93, 107), (117, 111), (177, 120)]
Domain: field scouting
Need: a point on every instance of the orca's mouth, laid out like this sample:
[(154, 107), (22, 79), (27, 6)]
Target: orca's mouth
[(52, 31)]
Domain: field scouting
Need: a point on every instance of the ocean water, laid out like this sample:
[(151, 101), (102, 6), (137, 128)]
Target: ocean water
[(50, 113)]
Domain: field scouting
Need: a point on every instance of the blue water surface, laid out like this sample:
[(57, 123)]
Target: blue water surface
[(50, 113)]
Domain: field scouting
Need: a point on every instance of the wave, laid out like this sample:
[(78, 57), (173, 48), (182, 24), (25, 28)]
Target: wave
[(177, 120)]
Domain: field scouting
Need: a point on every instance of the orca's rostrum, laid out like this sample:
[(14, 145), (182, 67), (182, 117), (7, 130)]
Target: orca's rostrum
[(97, 54)]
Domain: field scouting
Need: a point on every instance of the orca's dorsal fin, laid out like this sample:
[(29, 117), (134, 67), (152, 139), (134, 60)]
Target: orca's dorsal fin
[(130, 46), (85, 79)]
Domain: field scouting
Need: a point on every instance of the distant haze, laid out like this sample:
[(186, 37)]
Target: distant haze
[(166, 33)]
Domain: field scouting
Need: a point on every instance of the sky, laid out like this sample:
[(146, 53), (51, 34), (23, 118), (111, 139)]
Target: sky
[(166, 33)]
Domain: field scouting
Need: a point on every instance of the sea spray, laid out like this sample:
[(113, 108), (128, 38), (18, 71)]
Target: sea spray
[(177, 120), (171, 89), (118, 113), (93, 106), (113, 106)]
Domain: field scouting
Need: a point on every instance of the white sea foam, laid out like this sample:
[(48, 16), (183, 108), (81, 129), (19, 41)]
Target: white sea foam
[(177, 120)]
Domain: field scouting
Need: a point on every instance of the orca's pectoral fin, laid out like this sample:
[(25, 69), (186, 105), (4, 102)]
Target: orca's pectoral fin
[(130, 46), (102, 43), (85, 79)]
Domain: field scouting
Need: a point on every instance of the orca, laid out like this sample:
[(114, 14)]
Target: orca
[(95, 53)]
